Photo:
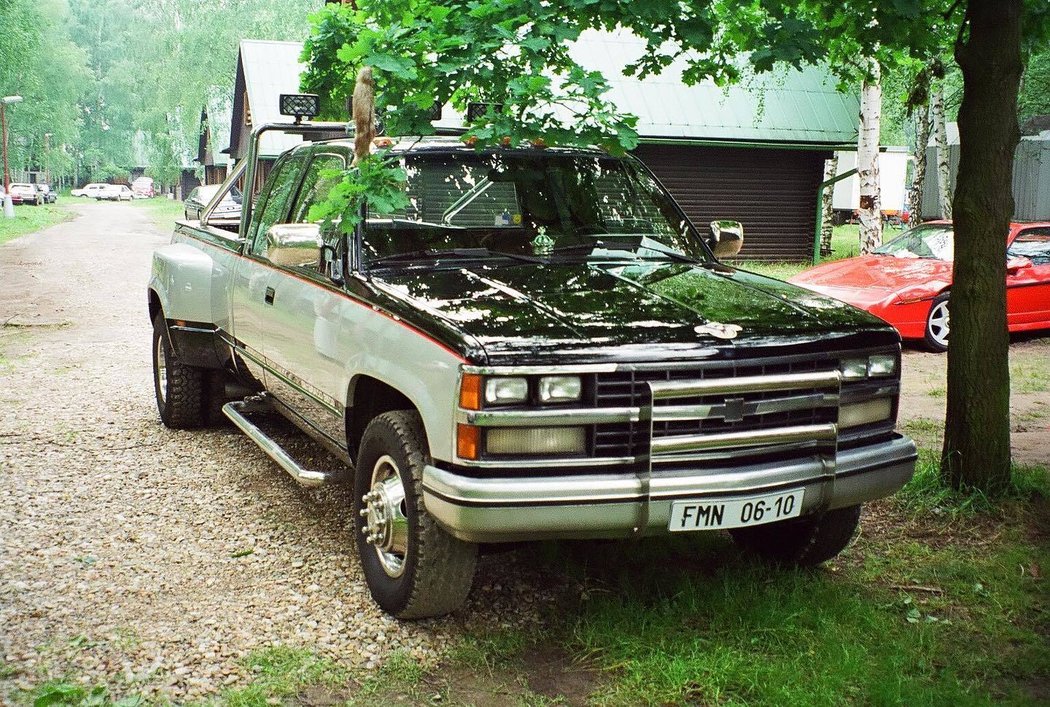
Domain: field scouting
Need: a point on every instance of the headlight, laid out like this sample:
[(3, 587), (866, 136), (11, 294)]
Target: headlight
[(865, 413), (504, 391), (854, 368), (877, 366), (882, 365), (535, 440), (560, 389)]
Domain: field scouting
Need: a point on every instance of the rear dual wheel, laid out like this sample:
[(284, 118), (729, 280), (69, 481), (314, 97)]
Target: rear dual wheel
[(414, 569)]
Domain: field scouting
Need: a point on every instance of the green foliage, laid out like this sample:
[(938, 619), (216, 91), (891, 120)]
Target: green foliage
[(376, 178)]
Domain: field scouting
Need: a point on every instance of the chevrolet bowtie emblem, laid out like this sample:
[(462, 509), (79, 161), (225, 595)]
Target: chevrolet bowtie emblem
[(719, 330)]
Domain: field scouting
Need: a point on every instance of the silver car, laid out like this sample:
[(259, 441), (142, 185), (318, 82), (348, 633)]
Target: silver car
[(228, 208)]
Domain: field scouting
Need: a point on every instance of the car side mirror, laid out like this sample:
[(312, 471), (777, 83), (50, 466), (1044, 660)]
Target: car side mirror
[(294, 244), (1017, 263), (726, 238)]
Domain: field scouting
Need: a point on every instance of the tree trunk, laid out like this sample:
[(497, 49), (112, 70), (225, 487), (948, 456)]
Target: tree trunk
[(977, 428), (827, 224), (922, 141), (870, 210), (940, 131)]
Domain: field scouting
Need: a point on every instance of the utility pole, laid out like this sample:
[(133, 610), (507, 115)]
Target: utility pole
[(9, 209)]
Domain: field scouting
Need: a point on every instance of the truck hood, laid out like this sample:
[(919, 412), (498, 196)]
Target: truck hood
[(611, 311)]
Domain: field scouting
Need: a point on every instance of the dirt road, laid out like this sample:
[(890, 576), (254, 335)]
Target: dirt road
[(154, 559)]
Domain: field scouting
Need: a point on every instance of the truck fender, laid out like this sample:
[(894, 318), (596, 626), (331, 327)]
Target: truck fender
[(182, 279)]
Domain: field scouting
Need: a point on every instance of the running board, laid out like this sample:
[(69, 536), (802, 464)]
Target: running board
[(236, 412)]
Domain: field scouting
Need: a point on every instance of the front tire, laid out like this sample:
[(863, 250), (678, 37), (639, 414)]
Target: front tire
[(804, 542), (935, 335), (180, 389), (413, 568)]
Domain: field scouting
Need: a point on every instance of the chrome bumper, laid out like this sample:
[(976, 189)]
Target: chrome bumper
[(615, 505)]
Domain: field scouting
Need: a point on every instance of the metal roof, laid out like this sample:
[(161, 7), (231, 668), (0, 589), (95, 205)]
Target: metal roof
[(270, 69), (784, 106)]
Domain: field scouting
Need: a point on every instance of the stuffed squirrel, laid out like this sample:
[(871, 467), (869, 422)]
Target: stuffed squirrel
[(364, 113)]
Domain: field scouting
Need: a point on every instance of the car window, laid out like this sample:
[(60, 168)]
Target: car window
[(273, 203), (1033, 244), (316, 184)]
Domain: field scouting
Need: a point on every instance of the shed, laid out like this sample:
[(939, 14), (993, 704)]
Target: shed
[(753, 152), (213, 146), (1031, 176)]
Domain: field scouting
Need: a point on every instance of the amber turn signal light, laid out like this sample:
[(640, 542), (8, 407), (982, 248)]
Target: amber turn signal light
[(470, 392), (468, 441)]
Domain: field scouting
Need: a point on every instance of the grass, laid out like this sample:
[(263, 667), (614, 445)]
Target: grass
[(845, 243), (163, 211), (30, 219), (280, 673)]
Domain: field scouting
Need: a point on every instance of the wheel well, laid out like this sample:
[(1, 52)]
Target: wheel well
[(370, 397), (154, 305)]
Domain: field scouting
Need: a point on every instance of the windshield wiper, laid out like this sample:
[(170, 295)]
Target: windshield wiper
[(436, 253), (599, 243)]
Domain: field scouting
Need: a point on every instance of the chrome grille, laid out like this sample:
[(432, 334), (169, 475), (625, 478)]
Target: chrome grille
[(732, 400)]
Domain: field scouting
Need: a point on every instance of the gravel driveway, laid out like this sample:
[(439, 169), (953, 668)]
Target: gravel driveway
[(151, 559)]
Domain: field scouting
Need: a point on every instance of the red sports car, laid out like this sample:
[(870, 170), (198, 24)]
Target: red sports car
[(908, 280)]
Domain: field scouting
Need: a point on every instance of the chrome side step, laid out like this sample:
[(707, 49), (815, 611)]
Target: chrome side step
[(236, 411)]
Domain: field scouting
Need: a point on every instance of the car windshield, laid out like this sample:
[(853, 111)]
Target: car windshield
[(524, 204), (207, 192), (929, 241)]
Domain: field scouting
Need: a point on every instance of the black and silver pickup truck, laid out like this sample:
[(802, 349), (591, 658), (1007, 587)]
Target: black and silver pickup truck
[(541, 345)]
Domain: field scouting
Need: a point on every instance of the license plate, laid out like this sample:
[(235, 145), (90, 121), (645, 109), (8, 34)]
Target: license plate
[(712, 514)]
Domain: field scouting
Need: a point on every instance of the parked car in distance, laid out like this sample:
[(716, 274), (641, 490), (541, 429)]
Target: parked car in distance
[(47, 193), (907, 281), (27, 193), (142, 187), (115, 192), (89, 190), (229, 207), (15, 199)]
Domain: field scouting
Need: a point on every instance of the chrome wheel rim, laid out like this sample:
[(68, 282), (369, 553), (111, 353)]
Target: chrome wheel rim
[(385, 526), (162, 371), (938, 323)]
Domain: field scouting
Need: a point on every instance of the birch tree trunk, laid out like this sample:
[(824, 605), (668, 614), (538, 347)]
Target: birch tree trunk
[(827, 225), (977, 424), (922, 141), (870, 211), (940, 131)]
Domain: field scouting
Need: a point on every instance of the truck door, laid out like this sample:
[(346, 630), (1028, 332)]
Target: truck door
[(252, 295), (306, 342)]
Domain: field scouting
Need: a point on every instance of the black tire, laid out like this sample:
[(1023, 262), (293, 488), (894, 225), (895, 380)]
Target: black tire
[(413, 568), (180, 389), (935, 334), (805, 542)]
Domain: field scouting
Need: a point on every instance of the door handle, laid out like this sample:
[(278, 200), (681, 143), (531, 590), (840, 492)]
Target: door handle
[(269, 295)]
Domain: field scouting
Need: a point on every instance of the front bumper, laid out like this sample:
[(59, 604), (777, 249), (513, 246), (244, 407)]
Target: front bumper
[(615, 505)]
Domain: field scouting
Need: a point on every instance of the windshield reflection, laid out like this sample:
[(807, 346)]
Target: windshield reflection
[(933, 241), (547, 204)]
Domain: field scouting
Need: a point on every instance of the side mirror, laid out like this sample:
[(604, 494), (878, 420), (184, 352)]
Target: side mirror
[(294, 244), (726, 239), (1017, 263)]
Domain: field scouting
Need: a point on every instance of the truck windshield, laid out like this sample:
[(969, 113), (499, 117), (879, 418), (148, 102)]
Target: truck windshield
[(540, 203)]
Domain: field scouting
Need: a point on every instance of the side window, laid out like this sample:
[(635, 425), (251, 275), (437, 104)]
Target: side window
[(1033, 244), (316, 184), (272, 206)]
